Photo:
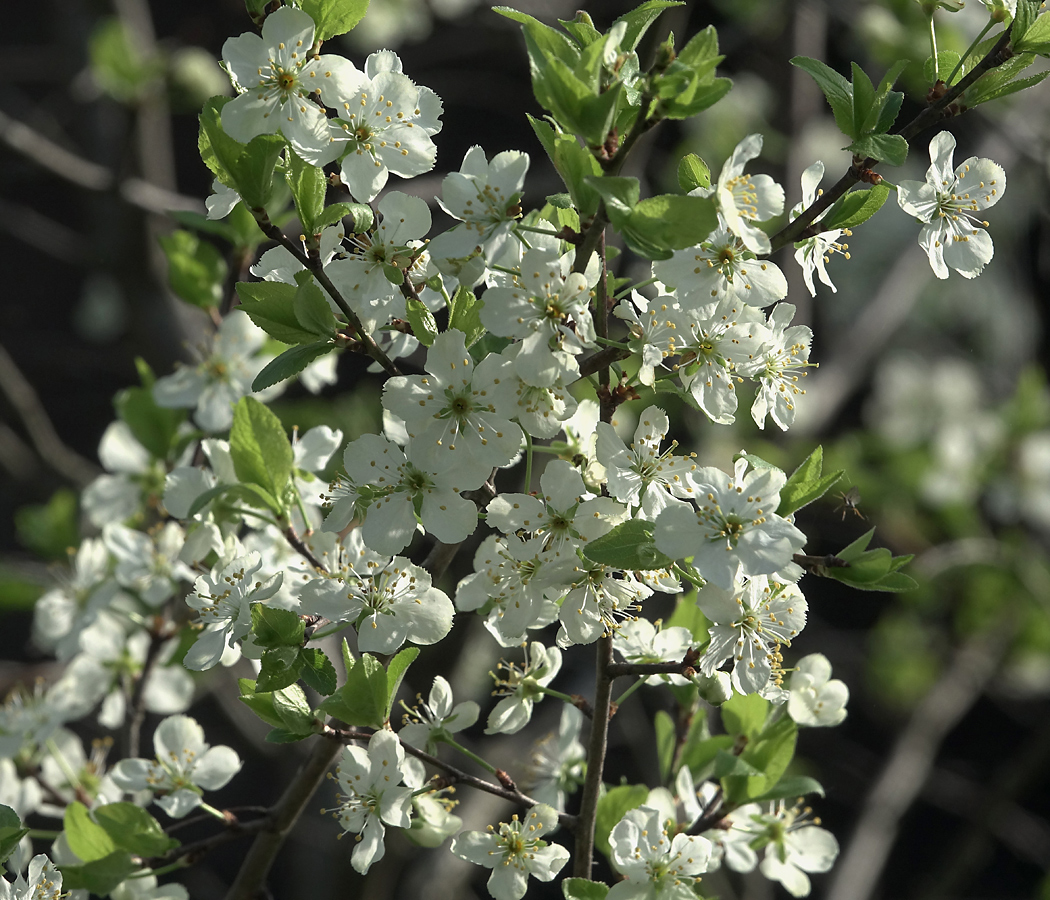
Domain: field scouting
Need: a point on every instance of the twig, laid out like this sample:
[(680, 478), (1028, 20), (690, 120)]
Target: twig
[(797, 229), (440, 558), (195, 849), (89, 175), (297, 542), (596, 749), (616, 670), (137, 711), (42, 433), (911, 761), (256, 864)]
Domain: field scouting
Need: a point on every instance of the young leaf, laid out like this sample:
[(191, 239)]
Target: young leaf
[(11, 831), (87, 839), (133, 829), (260, 703), (280, 668), (290, 363), (275, 627), (309, 185), (261, 451), (362, 700), (293, 710), (247, 168), (573, 163), (663, 725), (629, 545), (318, 671), (693, 173), (856, 207), (837, 90), (863, 98), (744, 714), (270, 305), (422, 321), (99, 876), (583, 889), (334, 17), (311, 309), (891, 148), (611, 808), (251, 494), (464, 314), (639, 19), (789, 788), (196, 270), (153, 426), (946, 61), (806, 484), (396, 672)]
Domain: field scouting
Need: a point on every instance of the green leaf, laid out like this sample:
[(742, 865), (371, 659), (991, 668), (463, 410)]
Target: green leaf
[(583, 889), (99, 876), (153, 426), (11, 831), (309, 186), (87, 839), (422, 321), (294, 711), (837, 90), (118, 65), (311, 309), (396, 672), (261, 451), (334, 17), (757, 462), (698, 754), (573, 163), (611, 808), (871, 570), (283, 736), (639, 19), (196, 270), (891, 148), (362, 700), (1036, 39), (947, 60), (271, 306), (260, 703), (856, 207), (50, 529), (1002, 81), (280, 668), (688, 615), (276, 627), (464, 314), (334, 214), (806, 484), (133, 829), (730, 765), (744, 714), (673, 221), (318, 671), (582, 29), (693, 173), (689, 85), (575, 104), (788, 788), (290, 363), (629, 545), (770, 754), (863, 98), (663, 725), (251, 494), (247, 168)]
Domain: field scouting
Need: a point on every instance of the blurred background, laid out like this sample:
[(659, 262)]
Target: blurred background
[(931, 394)]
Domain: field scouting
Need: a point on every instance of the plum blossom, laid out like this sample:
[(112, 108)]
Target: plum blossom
[(185, 766), (656, 865), (743, 199), (427, 723), (816, 699), (44, 882), (521, 688), (814, 253), (948, 202), (514, 852), (654, 331)]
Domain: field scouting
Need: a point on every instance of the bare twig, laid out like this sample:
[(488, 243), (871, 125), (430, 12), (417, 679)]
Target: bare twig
[(46, 441)]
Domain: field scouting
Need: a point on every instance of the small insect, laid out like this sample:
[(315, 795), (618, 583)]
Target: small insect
[(850, 500)]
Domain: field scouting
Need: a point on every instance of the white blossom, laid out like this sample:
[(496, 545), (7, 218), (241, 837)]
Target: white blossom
[(814, 253), (743, 199), (520, 688), (44, 882), (655, 863), (816, 699), (428, 722)]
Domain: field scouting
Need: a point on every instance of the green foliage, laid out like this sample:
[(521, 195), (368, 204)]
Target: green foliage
[(611, 808), (118, 65), (11, 831), (51, 528), (464, 314), (942, 67), (153, 426), (309, 185), (583, 889), (422, 321), (1003, 80), (806, 484), (311, 309), (573, 163), (640, 18), (290, 363), (246, 168), (99, 876), (287, 709), (767, 755), (872, 570), (745, 714), (688, 86), (271, 306), (261, 451), (663, 726), (368, 694), (855, 207), (788, 788), (334, 17), (629, 545), (196, 270), (133, 829), (693, 173), (318, 671)]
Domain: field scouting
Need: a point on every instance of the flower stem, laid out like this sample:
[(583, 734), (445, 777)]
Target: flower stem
[(211, 810), (515, 272), (933, 48), (597, 746), (535, 230), (969, 50), (488, 767), (633, 287), (629, 691), (565, 698)]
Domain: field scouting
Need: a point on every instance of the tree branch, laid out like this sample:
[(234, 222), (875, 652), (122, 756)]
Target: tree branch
[(596, 749)]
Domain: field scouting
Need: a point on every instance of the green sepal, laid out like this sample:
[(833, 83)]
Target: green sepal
[(276, 627), (693, 173), (891, 148), (196, 270), (611, 808), (290, 363), (133, 829), (311, 309), (271, 306), (11, 831), (464, 314), (583, 889), (246, 168), (318, 671), (629, 545), (422, 321), (806, 484), (259, 447), (334, 17), (854, 208), (280, 668)]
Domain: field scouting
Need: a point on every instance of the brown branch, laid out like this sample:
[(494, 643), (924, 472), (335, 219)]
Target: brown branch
[(196, 849), (799, 228), (603, 359), (300, 547)]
